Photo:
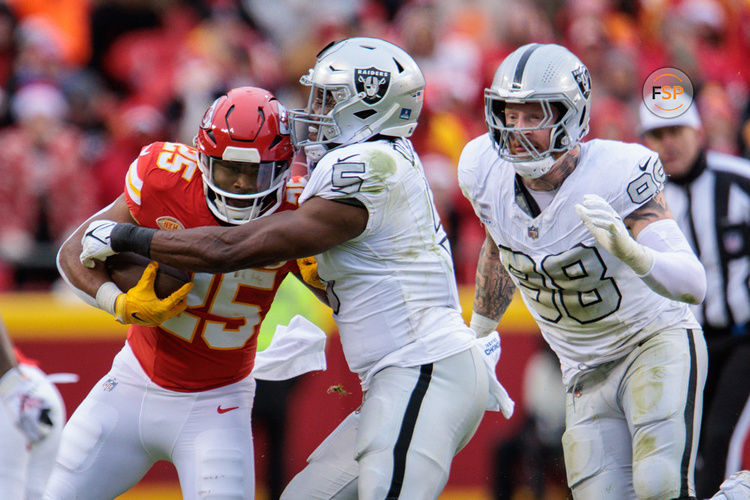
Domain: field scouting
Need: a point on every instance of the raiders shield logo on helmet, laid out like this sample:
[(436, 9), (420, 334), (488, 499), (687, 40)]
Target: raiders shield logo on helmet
[(583, 79), (373, 82)]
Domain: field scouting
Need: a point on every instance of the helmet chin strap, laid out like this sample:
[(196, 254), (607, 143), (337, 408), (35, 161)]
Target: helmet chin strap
[(535, 168)]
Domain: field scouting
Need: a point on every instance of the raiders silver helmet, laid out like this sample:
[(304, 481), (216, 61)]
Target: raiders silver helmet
[(552, 76), (359, 87)]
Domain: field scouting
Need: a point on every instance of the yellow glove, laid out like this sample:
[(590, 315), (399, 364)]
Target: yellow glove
[(141, 306), (308, 268)]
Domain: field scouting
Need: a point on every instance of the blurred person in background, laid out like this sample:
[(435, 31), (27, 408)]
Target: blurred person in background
[(32, 415), (709, 195), (530, 464), (134, 125), (47, 183)]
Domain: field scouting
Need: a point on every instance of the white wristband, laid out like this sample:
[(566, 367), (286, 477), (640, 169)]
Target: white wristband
[(106, 297), (482, 325)]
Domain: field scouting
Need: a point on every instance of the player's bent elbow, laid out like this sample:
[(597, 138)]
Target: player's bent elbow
[(701, 285), (65, 256), (694, 284), (678, 276)]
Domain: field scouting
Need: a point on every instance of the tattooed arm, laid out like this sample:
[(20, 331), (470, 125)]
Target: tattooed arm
[(494, 290), (655, 209)]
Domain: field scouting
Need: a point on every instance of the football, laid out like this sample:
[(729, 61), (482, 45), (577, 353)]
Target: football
[(126, 269)]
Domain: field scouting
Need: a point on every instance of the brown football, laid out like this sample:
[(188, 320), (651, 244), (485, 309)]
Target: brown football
[(126, 269)]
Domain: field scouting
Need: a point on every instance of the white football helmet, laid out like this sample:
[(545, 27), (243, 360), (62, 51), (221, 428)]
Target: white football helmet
[(555, 78), (360, 87)]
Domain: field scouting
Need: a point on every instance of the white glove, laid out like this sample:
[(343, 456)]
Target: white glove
[(29, 410), (96, 242), (607, 227), (735, 487)]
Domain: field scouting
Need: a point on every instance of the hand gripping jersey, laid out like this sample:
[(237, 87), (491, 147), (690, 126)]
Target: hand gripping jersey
[(590, 306), (213, 342), (392, 288)]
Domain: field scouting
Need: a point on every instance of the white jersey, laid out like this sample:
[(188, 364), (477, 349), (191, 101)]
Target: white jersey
[(392, 288), (589, 305)]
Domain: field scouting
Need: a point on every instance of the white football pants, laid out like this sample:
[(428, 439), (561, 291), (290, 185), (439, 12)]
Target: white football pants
[(127, 422), (632, 425), (24, 470), (401, 441)]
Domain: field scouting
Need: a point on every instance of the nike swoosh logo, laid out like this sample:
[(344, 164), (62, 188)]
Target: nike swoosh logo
[(219, 409), (135, 315), (91, 234), (644, 165)]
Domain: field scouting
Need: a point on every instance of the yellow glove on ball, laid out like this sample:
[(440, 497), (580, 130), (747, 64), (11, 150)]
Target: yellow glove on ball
[(141, 306), (308, 267)]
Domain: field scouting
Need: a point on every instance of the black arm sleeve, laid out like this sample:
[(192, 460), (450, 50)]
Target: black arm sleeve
[(127, 237)]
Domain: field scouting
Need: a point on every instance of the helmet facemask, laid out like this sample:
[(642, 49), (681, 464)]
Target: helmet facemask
[(316, 124), (532, 162), (268, 179)]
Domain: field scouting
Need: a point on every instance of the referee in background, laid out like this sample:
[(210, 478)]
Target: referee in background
[(709, 196)]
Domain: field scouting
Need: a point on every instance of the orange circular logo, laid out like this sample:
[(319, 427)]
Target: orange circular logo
[(668, 92)]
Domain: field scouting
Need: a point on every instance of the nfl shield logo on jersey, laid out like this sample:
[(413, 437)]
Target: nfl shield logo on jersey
[(533, 232), (109, 384), (373, 82)]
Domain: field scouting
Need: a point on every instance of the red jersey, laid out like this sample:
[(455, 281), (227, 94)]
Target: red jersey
[(23, 360), (211, 344)]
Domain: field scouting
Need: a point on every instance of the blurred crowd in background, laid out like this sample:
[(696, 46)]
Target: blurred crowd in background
[(84, 84)]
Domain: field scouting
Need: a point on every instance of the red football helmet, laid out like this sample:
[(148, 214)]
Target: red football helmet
[(247, 125)]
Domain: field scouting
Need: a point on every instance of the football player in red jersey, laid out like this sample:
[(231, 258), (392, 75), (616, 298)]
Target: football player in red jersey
[(180, 389)]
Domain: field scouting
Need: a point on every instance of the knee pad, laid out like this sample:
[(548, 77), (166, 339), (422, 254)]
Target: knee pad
[(222, 474), (225, 466), (584, 457), (84, 436), (656, 477)]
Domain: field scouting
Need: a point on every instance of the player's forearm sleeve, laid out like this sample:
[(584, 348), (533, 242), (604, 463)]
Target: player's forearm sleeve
[(127, 237), (676, 272)]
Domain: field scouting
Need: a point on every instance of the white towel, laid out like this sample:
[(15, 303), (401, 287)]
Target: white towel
[(295, 349), (62, 378), (499, 399)]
